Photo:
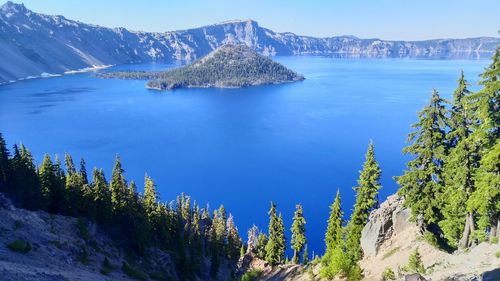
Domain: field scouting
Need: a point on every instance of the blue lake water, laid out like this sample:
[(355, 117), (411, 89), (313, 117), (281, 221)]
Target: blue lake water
[(291, 143)]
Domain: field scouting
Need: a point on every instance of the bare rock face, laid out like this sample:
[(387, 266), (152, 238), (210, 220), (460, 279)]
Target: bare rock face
[(383, 223)]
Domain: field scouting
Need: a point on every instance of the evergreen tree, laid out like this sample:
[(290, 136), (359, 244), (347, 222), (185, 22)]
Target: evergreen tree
[(273, 243), (262, 245), (415, 264), (333, 236), (118, 188), (233, 239), (366, 201), (102, 197), (485, 200), (281, 239), (74, 188), (459, 168), (422, 182), (150, 198), (5, 167), (26, 183), (53, 191), (83, 172), (298, 233)]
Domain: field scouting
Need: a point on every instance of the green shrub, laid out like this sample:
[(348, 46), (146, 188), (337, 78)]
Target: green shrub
[(251, 275), (134, 272), (388, 274), (19, 246), (415, 264), (106, 267), (497, 254), (341, 264), (494, 240)]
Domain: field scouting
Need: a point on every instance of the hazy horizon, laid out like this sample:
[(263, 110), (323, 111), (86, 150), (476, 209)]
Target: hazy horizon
[(388, 19)]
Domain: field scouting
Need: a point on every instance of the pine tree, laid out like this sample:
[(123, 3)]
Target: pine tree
[(366, 201), (233, 239), (281, 239), (118, 188), (102, 197), (74, 188), (273, 243), (262, 242), (485, 200), (150, 198), (26, 183), (333, 236), (298, 234), (422, 182), (415, 264), (459, 168), (5, 167), (83, 172), (53, 191)]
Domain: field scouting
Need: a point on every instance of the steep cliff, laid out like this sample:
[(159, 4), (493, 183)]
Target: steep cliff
[(33, 44)]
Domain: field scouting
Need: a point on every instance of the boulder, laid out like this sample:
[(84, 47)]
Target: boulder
[(414, 277), (389, 219)]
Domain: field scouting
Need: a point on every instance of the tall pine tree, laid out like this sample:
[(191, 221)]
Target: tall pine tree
[(273, 244), (298, 233), (422, 182), (333, 236), (366, 201)]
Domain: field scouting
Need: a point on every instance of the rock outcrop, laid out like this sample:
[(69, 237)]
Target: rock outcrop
[(34, 44), (390, 218)]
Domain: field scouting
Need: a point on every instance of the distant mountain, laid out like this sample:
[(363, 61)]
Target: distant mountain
[(33, 44), (229, 66)]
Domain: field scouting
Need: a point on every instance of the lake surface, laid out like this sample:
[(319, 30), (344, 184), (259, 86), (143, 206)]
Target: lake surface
[(291, 143)]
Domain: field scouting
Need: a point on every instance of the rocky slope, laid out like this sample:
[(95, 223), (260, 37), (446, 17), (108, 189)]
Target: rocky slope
[(62, 248), (33, 44)]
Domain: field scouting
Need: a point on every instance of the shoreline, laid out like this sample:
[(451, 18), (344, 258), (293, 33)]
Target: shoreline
[(51, 75)]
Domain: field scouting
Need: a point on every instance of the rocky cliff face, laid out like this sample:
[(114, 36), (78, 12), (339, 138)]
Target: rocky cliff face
[(33, 44)]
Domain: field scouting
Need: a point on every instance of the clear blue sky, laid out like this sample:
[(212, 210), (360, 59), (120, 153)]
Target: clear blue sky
[(386, 19)]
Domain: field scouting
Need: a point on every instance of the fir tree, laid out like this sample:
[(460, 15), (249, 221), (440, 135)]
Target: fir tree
[(26, 183), (83, 172), (52, 190), (150, 198), (262, 245), (305, 258), (281, 239), (102, 197), (459, 168), (74, 187), (366, 201), (233, 239), (118, 188), (422, 182), (298, 234), (5, 167), (415, 264), (273, 244), (333, 236)]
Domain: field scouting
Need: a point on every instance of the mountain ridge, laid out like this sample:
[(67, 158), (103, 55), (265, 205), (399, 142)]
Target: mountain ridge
[(33, 44)]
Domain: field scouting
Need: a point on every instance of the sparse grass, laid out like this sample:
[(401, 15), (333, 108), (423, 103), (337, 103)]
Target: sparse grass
[(494, 240), (391, 252), (251, 275), (134, 272), (497, 254), (388, 274), (19, 246), (106, 267)]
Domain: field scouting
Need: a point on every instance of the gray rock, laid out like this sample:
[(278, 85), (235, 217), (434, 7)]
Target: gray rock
[(414, 277), (390, 218), (33, 44)]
